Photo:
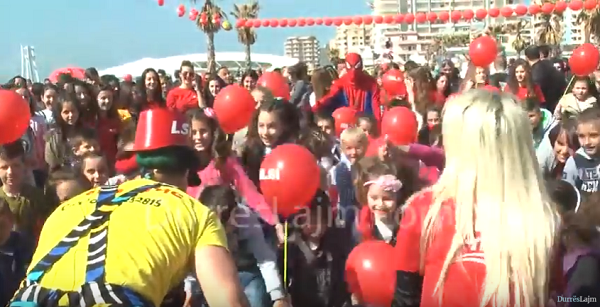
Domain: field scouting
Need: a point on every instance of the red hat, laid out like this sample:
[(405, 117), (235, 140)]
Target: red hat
[(160, 128)]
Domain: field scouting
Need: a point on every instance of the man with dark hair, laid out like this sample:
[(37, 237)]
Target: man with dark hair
[(498, 79), (544, 52), (551, 81)]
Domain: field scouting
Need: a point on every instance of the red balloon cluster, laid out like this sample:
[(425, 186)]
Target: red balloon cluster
[(421, 17)]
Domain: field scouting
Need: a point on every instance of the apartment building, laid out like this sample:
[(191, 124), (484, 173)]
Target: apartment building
[(352, 38), (303, 48)]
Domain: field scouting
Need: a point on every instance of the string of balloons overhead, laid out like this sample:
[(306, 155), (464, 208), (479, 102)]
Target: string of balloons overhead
[(409, 18)]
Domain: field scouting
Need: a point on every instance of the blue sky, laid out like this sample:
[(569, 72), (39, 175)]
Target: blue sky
[(112, 32)]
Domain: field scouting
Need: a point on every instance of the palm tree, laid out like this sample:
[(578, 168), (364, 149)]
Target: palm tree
[(455, 40), (246, 35), (333, 54), (591, 23), (516, 30), (208, 21), (549, 28)]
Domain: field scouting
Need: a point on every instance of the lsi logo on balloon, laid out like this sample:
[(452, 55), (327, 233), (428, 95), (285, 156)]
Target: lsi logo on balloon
[(269, 174)]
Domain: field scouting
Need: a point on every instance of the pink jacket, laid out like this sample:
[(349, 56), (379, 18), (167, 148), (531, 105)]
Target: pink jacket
[(234, 174)]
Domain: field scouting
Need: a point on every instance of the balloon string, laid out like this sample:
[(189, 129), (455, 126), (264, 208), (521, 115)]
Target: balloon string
[(568, 85), (285, 254)]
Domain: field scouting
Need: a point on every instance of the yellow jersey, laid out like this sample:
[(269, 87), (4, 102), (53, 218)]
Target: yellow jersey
[(151, 239)]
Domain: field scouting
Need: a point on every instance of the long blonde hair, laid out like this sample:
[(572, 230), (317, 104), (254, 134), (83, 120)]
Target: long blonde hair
[(492, 176)]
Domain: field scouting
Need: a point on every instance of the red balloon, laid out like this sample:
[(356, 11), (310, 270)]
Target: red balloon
[(301, 22), (371, 273), (127, 78), (590, 4), (256, 23), (432, 17), (521, 10), (161, 2), (14, 116), (388, 19), (276, 83), (292, 22), (378, 19), (347, 20), (289, 178), (345, 117), (534, 9), (75, 72), (444, 16), (560, 6), (398, 18), (234, 106), (274, 23), (393, 83), (327, 21), (409, 18), (481, 14), (283, 22), (318, 21), (483, 51), (420, 17), (494, 12), (358, 20), (584, 60), (249, 23), (266, 23), (368, 19), (547, 8), (310, 22), (576, 5), (337, 21), (399, 126), (455, 16), (468, 14), (506, 11)]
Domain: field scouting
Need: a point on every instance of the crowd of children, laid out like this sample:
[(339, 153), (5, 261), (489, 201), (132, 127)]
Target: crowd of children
[(82, 132)]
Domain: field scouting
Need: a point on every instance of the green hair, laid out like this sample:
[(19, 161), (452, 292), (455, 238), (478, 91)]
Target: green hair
[(174, 159)]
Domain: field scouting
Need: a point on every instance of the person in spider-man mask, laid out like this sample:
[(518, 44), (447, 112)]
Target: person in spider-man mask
[(354, 89)]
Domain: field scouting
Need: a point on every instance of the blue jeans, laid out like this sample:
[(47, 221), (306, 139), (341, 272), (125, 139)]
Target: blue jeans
[(254, 288)]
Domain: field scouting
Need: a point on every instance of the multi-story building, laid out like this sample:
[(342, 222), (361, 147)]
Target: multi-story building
[(352, 38), (303, 48)]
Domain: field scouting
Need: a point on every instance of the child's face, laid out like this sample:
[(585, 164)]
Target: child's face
[(67, 189), (381, 202), (105, 100), (95, 171), (365, 125), (589, 137), (353, 150), (314, 225), (535, 117), (201, 135), (269, 128), (48, 98), (326, 126), (433, 118), (69, 113), (580, 90), (12, 171), (87, 147)]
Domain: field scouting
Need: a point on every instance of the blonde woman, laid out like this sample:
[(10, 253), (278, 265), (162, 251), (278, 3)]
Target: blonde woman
[(484, 234)]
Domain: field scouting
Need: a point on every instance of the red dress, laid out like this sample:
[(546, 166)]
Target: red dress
[(464, 278)]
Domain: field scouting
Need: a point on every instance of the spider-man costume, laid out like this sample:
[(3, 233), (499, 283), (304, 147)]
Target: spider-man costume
[(354, 89)]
